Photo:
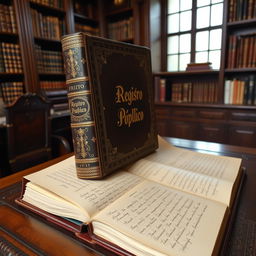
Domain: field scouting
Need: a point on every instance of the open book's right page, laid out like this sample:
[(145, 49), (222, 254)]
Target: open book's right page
[(206, 175)]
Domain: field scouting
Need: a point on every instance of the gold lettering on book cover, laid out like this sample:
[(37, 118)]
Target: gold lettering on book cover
[(71, 63), (128, 116)]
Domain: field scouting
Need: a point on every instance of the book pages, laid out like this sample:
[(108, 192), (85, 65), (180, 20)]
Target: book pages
[(166, 220), (221, 167), (91, 195), (187, 181)]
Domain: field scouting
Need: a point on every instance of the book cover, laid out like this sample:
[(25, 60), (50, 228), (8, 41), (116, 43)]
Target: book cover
[(110, 91)]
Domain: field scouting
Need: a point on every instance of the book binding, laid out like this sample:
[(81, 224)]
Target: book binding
[(79, 97)]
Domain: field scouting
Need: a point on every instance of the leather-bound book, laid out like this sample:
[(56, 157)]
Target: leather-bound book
[(110, 93)]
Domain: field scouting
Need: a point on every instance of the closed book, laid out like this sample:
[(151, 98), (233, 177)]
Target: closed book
[(111, 101)]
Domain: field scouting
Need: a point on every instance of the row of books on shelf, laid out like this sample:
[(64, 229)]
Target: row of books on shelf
[(87, 29), (51, 3), (11, 91), (242, 10), (52, 85), (240, 91), (7, 19), (242, 51), (121, 30), (196, 92), (49, 61), (47, 26), (10, 58)]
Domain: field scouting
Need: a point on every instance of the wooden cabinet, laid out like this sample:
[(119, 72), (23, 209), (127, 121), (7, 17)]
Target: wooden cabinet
[(232, 125)]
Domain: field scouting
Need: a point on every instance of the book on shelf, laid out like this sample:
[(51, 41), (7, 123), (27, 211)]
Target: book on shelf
[(241, 10), (185, 92), (242, 51), (111, 102), (7, 19), (171, 202), (240, 91), (199, 66), (11, 91), (10, 58)]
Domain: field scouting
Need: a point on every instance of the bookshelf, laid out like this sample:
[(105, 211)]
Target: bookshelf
[(86, 17), (30, 32), (126, 21), (225, 113), (11, 67)]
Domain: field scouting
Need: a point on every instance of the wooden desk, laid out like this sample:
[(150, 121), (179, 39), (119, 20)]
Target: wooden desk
[(23, 233)]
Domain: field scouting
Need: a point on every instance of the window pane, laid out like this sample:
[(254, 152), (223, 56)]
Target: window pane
[(173, 6), (216, 14), (202, 2), (184, 60), (173, 23), (214, 58), (185, 43), (202, 40), (185, 21), (216, 1), (173, 44), (203, 17), (201, 57), (172, 63), (185, 5), (215, 39)]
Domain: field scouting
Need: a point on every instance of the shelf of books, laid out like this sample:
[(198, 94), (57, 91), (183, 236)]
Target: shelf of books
[(240, 66), (11, 69), (49, 25), (120, 21), (241, 10), (186, 87), (86, 17)]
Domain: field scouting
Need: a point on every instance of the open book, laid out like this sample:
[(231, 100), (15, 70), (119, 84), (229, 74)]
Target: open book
[(172, 202)]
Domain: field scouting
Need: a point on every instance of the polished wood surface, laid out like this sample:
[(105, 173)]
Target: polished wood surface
[(24, 232)]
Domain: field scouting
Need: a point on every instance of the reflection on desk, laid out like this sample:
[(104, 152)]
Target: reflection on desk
[(2, 120)]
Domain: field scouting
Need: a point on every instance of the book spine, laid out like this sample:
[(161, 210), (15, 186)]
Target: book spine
[(80, 99)]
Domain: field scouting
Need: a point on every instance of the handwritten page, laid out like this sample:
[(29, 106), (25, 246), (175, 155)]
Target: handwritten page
[(92, 195), (195, 183), (221, 167), (165, 220)]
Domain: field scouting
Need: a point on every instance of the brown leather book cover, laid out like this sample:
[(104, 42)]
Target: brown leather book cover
[(110, 91)]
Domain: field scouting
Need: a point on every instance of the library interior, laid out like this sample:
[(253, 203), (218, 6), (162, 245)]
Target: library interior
[(203, 84)]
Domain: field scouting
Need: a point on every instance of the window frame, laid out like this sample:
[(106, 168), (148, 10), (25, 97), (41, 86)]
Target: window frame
[(193, 31)]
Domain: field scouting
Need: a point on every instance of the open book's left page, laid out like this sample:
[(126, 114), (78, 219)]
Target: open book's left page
[(60, 183)]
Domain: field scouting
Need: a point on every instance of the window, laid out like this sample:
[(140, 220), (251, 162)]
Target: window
[(194, 32)]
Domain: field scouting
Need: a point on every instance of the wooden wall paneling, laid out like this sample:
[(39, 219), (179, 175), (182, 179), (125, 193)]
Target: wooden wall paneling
[(141, 22)]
